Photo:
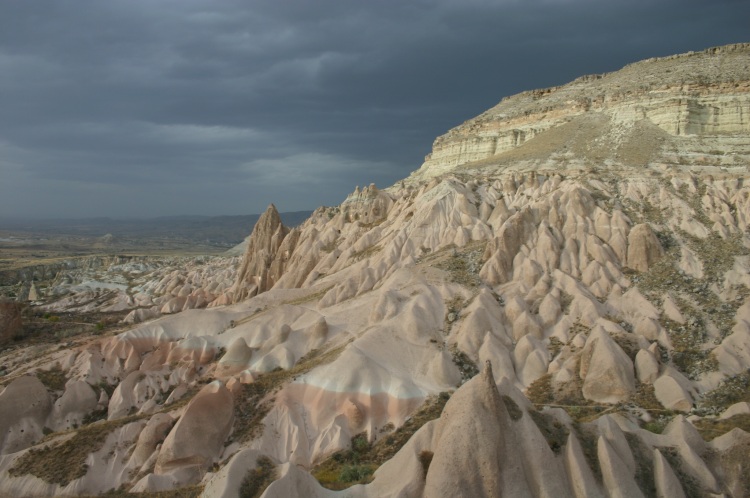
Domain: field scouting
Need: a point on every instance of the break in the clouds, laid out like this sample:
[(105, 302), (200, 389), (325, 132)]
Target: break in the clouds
[(161, 107)]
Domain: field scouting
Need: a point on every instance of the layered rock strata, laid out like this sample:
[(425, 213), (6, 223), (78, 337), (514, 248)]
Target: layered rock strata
[(700, 93)]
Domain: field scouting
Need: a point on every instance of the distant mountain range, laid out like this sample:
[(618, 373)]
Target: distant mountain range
[(221, 230)]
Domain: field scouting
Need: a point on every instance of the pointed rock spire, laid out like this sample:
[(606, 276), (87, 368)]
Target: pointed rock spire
[(264, 262), (472, 452)]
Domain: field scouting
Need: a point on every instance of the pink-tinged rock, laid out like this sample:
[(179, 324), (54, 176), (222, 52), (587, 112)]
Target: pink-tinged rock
[(24, 406), (78, 400), (197, 439)]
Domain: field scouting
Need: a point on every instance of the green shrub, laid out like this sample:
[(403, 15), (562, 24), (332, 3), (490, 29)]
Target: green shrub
[(364, 458), (258, 479), (355, 473), (53, 379), (360, 443)]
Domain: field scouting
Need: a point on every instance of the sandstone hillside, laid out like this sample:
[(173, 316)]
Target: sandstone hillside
[(555, 304)]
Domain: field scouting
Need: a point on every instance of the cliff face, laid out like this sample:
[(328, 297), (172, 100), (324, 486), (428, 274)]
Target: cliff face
[(702, 93)]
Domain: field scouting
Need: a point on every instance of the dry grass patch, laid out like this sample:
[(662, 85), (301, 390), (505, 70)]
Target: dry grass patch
[(63, 462), (258, 479), (466, 366), (463, 265), (732, 390), (187, 492), (348, 467), (711, 428), (365, 253), (256, 399), (309, 297), (53, 379), (540, 391), (568, 396)]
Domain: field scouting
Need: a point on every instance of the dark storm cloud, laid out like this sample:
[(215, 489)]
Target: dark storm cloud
[(145, 107)]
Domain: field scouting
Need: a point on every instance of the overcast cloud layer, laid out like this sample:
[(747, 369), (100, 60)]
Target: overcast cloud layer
[(152, 107)]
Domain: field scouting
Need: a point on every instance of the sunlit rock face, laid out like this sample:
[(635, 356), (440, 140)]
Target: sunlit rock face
[(568, 316), (701, 93), (269, 247)]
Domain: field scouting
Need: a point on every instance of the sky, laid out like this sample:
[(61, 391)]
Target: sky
[(141, 108)]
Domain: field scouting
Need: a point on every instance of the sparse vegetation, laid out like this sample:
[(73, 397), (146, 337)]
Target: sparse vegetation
[(588, 436), (187, 492), (365, 253), (644, 465), (364, 457), (656, 425), (732, 390), (627, 343), (554, 346), (463, 265), (690, 485), (553, 431), (63, 462), (694, 200), (352, 474), (53, 379), (258, 479), (565, 301), (568, 396), (540, 391), (453, 309), (710, 428), (39, 329), (309, 297), (254, 403), (645, 398), (695, 299), (348, 467), (465, 365), (94, 416)]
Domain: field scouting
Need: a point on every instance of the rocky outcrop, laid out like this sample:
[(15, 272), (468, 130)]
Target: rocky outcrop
[(606, 369), (367, 206), (603, 292), (480, 449), (489, 441), (684, 95), (268, 250), (644, 249), (78, 400), (24, 407), (11, 322), (198, 437)]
